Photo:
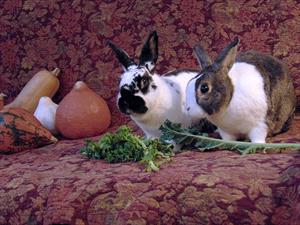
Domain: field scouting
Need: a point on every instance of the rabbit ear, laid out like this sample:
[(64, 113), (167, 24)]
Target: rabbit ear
[(122, 56), (227, 56), (202, 57), (149, 53)]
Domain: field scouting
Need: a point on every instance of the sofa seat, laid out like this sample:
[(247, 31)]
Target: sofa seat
[(55, 184)]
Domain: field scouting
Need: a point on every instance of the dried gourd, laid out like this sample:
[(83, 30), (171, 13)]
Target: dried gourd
[(20, 130)]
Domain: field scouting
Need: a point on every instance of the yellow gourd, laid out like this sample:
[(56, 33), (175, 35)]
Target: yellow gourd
[(44, 83)]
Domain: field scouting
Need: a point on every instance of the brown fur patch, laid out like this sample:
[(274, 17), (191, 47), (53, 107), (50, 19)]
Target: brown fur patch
[(220, 91)]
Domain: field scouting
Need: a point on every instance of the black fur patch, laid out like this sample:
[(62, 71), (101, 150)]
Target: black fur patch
[(123, 106), (143, 82), (204, 126), (122, 56), (150, 49), (129, 102), (132, 88), (153, 86)]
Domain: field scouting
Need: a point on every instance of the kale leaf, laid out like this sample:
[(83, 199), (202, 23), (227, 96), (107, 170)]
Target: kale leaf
[(202, 142), (124, 146)]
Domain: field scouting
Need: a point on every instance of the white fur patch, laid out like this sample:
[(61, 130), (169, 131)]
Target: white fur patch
[(164, 102), (247, 110), (150, 65), (129, 74), (191, 107)]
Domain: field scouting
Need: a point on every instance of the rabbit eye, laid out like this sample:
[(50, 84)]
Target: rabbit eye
[(204, 88), (145, 81)]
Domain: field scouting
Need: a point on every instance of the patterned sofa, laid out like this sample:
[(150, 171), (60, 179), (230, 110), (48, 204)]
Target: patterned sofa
[(55, 184)]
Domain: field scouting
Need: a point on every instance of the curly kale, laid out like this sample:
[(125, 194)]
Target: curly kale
[(124, 146)]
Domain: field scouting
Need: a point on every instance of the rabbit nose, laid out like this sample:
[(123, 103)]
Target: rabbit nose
[(188, 108)]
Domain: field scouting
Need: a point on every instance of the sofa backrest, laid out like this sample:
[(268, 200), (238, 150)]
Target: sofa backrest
[(72, 35)]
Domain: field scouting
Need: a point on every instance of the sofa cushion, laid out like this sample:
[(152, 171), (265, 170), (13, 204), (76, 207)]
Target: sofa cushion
[(57, 185)]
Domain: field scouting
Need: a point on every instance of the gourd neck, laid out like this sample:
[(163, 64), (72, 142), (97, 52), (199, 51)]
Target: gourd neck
[(2, 95), (55, 72)]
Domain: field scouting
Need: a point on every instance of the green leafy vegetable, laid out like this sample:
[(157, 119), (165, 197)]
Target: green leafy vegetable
[(124, 146), (174, 132)]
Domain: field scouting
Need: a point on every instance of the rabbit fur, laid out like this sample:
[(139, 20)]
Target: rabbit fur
[(248, 96), (148, 98)]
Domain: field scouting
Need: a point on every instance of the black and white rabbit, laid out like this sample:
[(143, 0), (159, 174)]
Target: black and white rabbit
[(248, 96), (148, 98)]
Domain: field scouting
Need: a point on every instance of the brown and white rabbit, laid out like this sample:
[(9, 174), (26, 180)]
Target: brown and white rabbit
[(148, 98), (248, 96)]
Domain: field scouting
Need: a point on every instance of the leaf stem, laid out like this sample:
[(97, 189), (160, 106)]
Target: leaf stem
[(234, 145)]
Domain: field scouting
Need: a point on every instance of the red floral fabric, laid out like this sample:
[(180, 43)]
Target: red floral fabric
[(72, 35), (57, 185)]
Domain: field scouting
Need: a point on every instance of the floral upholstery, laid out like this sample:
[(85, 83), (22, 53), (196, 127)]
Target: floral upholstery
[(57, 185)]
